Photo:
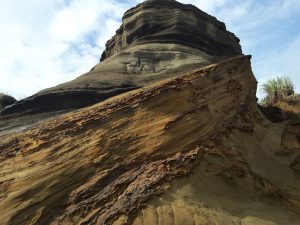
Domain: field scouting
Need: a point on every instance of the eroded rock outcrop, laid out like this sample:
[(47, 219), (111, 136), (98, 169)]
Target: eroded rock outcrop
[(189, 146), (189, 150), (282, 110), (168, 21), (157, 40)]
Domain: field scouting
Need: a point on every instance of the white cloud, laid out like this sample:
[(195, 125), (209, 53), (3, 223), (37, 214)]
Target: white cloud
[(44, 43), (80, 17), (208, 6)]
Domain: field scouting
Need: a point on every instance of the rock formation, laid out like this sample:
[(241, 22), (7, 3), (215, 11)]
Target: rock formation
[(170, 22), (188, 149), (157, 40)]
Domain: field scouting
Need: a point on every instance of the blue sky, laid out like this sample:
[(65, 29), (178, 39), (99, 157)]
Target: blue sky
[(44, 43)]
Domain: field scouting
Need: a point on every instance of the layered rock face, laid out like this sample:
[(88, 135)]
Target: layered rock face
[(190, 147), (168, 21), (157, 40), (189, 150)]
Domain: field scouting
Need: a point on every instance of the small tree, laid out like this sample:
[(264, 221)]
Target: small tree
[(277, 89)]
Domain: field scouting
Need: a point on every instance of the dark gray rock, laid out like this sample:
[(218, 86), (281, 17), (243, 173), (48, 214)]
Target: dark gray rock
[(157, 40), (168, 21)]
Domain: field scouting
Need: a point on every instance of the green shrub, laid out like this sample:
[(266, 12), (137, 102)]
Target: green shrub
[(277, 89), (6, 100)]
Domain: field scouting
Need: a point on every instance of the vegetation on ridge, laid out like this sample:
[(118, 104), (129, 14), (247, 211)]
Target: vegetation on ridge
[(277, 90), (6, 100)]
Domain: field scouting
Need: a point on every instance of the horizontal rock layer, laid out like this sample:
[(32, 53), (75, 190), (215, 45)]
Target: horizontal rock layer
[(169, 21)]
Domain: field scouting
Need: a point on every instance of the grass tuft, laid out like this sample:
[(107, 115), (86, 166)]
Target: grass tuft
[(276, 90)]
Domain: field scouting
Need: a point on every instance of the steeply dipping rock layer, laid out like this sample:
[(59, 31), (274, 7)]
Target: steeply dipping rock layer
[(189, 150)]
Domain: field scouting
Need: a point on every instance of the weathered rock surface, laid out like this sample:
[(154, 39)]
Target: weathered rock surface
[(283, 110), (157, 40), (190, 146), (168, 21), (188, 150)]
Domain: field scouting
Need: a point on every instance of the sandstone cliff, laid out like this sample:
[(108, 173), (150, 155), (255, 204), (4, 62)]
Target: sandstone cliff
[(189, 150), (186, 144)]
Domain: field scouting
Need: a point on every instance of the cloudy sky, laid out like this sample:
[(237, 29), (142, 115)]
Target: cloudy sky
[(44, 43)]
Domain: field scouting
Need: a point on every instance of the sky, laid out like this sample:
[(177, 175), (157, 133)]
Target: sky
[(45, 43)]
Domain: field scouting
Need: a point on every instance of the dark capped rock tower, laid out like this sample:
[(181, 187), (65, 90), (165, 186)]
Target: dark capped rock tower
[(165, 22), (157, 39)]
